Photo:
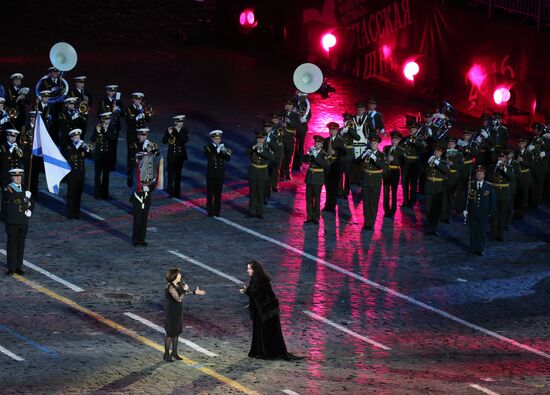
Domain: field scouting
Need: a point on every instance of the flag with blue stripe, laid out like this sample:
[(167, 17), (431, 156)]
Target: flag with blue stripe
[(55, 165)]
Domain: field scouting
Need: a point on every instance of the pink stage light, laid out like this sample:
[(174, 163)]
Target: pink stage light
[(247, 19), (410, 70), (250, 17), (476, 75), (501, 95), (242, 18), (328, 41)]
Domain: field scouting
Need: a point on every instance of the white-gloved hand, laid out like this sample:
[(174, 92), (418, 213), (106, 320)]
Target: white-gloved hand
[(436, 161), (478, 139), (546, 135), (75, 115), (465, 212), (543, 154), (140, 116), (28, 194), (430, 133), (145, 188), (530, 147), (484, 134), (373, 156), (28, 213), (461, 143)]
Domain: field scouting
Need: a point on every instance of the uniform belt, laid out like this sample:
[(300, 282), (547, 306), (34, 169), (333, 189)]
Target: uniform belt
[(435, 179), (525, 170), (454, 171), (374, 171), (468, 162), (291, 131), (411, 157), (316, 169), (501, 185), (393, 167), (259, 166), (349, 146)]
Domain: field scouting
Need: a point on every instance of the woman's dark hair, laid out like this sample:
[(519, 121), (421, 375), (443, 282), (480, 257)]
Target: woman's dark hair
[(172, 273), (259, 271)]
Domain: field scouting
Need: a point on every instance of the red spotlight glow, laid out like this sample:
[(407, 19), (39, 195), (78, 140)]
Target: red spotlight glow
[(247, 19), (410, 70), (476, 75), (386, 50), (328, 41), (242, 18), (501, 95), (250, 17)]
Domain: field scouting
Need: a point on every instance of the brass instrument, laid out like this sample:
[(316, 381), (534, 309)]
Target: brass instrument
[(13, 112), (83, 108), (88, 147), (350, 125), (18, 150), (226, 150), (280, 132), (148, 110)]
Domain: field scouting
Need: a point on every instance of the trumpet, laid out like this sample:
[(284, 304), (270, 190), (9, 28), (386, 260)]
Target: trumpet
[(350, 125), (88, 147), (83, 108), (18, 150), (13, 112), (226, 150), (148, 110)]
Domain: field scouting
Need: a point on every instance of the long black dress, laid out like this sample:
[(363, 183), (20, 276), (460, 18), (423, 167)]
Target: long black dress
[(173, 309), (267, 337)]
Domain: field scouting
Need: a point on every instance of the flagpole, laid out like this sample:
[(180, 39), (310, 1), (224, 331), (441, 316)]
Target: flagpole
[(33, 137)]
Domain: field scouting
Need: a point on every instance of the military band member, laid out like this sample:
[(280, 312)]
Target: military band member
[(70, 119), (499, 177), (539, 148), (111, 103), (360, 120), (16, 211), (394, 155), (136, 118), (410, 167), (468, 149), (452, 198), (315, 178), (54, 84), (143, 147), (291, 122), (526, 163), (374, 122), (302, 107), (45, 109), (484, 146), (17, 97), (374, 166), (258, 173), (481, 206), (76, 151), (334, 146), (11, 156), (513, 164), (437, 172), (81, 93), (141, 202), (217, 154), (5, 121), (274, 140), (104, 136), (349, 133), (176, 137)]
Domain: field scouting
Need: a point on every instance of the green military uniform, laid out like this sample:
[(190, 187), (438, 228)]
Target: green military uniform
[(437, 172), (514, 176), (374, 166), (540, 149), (335, 148), (258, 176), (469, 150), (526, 162), (452, 197), (315, 178), (291, 121), (349, 135), (276, 145), (500, 180), (481, 205), (410, 168), (391, 178)]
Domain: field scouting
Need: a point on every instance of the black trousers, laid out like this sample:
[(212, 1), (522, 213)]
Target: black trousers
[(499, 221), (391, 182), (313, 202), (37, 168), (274, 171), (175, 166), (214, 187), (139, 228), (331, 186), (451, 198), (434, 202), (301, 132), (287, 158), (75, 188), (257, 196), (371, 198), (101, 176), (409, 182), (478, 236), (16, 245), (344, 177)]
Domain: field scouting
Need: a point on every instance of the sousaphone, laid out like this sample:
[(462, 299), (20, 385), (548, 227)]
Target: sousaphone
[(63, 57), (308, 78)]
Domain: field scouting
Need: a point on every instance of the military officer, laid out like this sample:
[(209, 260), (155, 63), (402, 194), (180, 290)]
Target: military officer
[(18, 98), (54, 84), (104, 136), (136, 118), (348, 134), (275, 141), (217, 154), (513, 164), (499, 178), (468, 149), (315, 178), (374, 122), (334, 147), (524, 180), (80, 91), (45, 108), (437, 172), (485, 146), (5, 121), (75, 152), (141, 202), (302, 107), (70, 119), (111, 103), (16, 211), (451, 198), (481, 205), (11, 156), (291, 122), (410, 166), (394, 155), (258, 173), (539, 148), (374, 166), (176, 137)]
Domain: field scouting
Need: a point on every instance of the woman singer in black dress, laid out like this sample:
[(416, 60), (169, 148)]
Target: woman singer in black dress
[(174, 293), (267, 337)]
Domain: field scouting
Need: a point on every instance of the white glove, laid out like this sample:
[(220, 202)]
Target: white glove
[(436, 161), (145, 188), (465, 212), (430, 133), (485, 134), (431, 158), (140, 116), (373, 156), (530, 147), (117, 109), (75, 115), (543, 154), (546, 135), (28, 194), (461, 143), (3, 120), (478, 139), (383, 131), (28, 213)]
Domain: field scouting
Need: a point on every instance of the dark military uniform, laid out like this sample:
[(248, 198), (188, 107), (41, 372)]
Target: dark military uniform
[(468, 154), (371, 185), (177, 155), (497, 141), (481, 204), (301, 106), (391, 178), (410, 171), (104, 140), (9, 160), (107, 104), (81, 95), (11, 102), (500, 180), (315, 178), (452, 197), (524, 180), (292, 121), (54, 108), (335, 149), (276, 145), (76, 156), (215, 175), (46, 114), (69, 120), (258, 175), (541, 153), (513, 180), (434, 189), (141, 202), (135, 119), (348, 135), (373, 124), (14, 205)]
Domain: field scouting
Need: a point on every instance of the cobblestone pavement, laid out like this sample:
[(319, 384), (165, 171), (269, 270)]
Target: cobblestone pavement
[(447, 322)]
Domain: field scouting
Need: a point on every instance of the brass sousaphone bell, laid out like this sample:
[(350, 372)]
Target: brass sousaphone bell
[(308, 78), (63, 57)]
